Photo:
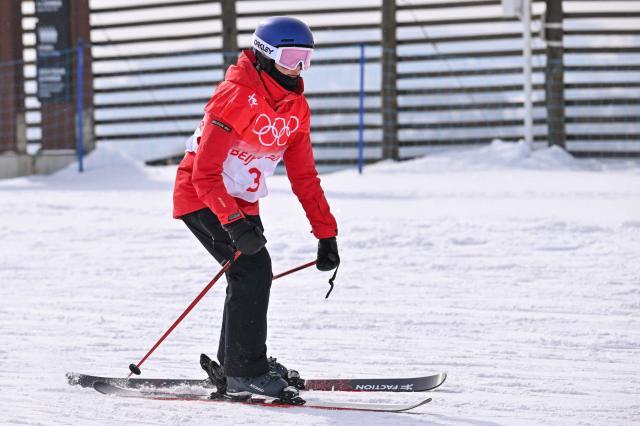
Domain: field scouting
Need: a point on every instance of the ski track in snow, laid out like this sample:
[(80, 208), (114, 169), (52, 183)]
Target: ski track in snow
[(521, 281)]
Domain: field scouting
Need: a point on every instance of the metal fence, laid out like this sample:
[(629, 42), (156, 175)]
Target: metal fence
[(460, 76), (438, 74), (144, 93), (602, 80)]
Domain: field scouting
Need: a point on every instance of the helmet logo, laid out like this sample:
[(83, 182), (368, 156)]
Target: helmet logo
[(270, 133)]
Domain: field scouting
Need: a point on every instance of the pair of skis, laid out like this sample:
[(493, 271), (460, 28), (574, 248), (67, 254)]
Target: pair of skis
[(160, 389)]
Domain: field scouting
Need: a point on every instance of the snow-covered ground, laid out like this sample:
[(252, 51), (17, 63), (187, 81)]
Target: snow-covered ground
[(518, 276)]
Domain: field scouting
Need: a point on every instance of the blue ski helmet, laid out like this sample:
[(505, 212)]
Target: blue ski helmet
[(281, 31)]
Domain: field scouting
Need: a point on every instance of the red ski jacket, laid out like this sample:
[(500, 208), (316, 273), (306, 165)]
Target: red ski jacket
[(249, 125)]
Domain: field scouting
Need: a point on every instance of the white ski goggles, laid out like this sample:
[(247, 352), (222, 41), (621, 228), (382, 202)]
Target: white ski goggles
[(289, 57)]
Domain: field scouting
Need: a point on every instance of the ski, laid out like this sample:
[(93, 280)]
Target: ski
[(415, 384), (109, 389)]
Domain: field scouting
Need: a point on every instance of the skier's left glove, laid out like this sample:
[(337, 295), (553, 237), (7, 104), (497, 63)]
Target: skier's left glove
[(328, 257)]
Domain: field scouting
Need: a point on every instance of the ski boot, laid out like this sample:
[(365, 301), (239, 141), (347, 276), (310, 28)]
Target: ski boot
[(214, 371), (291, 376), (270, 384)]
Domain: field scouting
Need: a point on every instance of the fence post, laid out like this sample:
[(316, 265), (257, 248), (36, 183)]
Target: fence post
[(389, 82), (361, 113), (528, 87), (554, 73), (80, 104), (229, 33)]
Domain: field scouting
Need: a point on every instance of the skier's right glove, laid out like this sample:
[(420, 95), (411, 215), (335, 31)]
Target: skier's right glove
[(246, 236)]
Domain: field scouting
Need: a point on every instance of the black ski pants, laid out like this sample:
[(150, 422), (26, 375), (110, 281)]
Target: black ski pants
[(242, 348)]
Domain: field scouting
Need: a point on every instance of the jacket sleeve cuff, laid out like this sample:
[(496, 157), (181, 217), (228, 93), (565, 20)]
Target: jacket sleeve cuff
[(325, 233)]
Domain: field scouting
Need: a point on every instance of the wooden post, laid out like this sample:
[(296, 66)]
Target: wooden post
[(12, 109), (554, 74), (229, 33), (389, 88)]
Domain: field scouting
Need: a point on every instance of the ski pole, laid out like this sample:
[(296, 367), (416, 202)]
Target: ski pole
[(135, 368), (296, 269), (306, 265)]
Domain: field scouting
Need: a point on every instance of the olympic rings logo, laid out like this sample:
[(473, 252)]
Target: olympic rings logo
[(270, 133)]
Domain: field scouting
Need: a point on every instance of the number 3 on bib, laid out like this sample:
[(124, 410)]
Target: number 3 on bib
[(256, 180)]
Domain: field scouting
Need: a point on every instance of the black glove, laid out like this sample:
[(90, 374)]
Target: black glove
[(246, 236), (328, 257)]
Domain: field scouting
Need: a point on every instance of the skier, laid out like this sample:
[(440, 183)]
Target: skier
[(257, 116)]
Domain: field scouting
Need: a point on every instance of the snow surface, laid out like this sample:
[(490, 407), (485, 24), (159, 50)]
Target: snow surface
[(517, 275)]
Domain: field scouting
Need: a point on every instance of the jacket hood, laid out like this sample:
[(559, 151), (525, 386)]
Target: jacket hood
[(244, 73)]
